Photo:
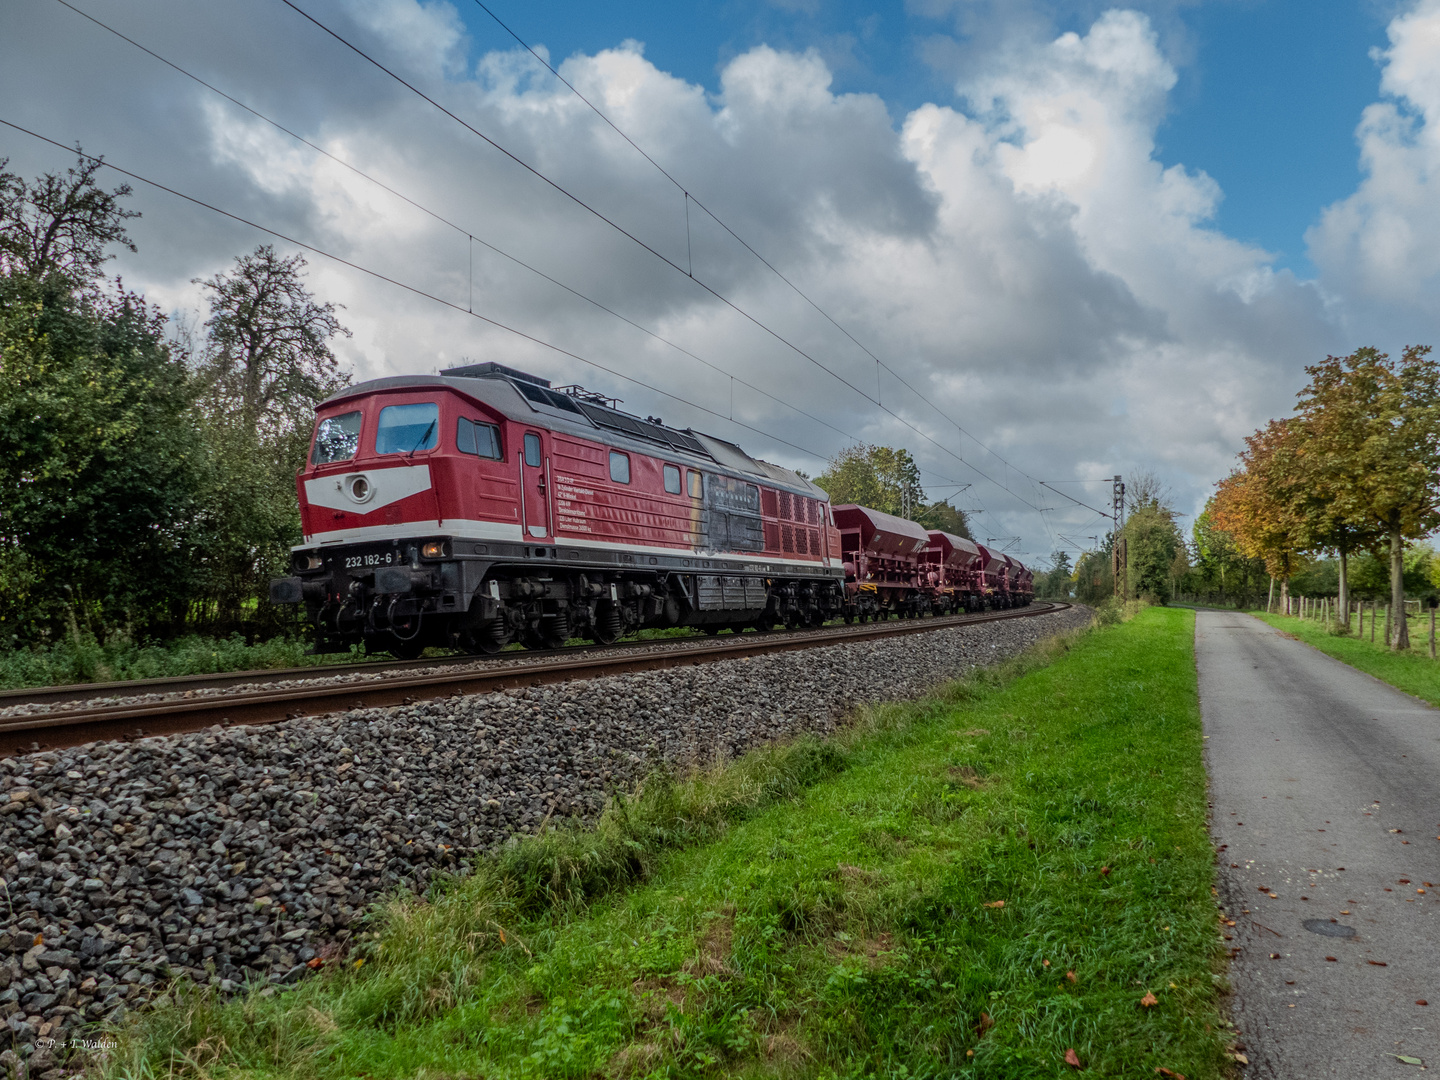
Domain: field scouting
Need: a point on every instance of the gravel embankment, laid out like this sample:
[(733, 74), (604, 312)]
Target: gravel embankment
[(243, 853)]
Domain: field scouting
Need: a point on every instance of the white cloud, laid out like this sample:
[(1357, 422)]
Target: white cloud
[(1381, 245)]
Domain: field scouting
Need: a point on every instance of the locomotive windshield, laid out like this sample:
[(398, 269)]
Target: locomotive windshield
[(404, 429), (336, 439)]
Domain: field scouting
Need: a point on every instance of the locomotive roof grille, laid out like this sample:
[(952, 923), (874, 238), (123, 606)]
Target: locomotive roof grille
[(490, 370), (626, 424), (547, 397)]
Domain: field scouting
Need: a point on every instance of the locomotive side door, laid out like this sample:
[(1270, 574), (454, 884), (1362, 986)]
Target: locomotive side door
[(534, 484)]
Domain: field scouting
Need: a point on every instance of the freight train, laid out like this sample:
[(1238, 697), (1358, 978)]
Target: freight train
[(483, 506)]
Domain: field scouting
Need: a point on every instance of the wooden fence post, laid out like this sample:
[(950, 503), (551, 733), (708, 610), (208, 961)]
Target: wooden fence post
[(1432, 633)]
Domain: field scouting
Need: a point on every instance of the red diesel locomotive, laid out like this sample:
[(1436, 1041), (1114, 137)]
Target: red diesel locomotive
[(483, 506)]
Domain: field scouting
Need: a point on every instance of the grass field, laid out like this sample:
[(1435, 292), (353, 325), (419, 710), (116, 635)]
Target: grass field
[(1412, 671), (968, 886)]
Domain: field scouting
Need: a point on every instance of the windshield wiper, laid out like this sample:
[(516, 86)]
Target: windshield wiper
[(421, 441)]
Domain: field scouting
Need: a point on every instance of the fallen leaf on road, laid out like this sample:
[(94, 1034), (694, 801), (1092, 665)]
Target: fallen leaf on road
[(1403, 881), (1274, 896), (1241, 1059), (1333, 959), (1378, 963), (1148, 1000), (1073, 1059), (1422, 1001), (1274, 956), (1407, 1060), (994, 903)]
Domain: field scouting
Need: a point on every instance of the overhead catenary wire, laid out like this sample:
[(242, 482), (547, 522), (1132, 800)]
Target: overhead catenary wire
[(647, 247), (460, 229), (413, 289), (691, 197)]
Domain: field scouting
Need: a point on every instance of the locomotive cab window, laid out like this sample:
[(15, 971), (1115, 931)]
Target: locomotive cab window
[(532, 449), (336, 439), (672, 480), (697, 486), (405, 429), (619, 467), (482, 440)]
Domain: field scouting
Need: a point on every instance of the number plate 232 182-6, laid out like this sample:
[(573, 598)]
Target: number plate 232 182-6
[(381, 558)]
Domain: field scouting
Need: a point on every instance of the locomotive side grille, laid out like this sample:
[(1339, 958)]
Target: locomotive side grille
[(756, 595), (800, 542), (787, 538), (770, 501), (772, 536), (815, 542), (786, 504), (710, 596), (807, 511)]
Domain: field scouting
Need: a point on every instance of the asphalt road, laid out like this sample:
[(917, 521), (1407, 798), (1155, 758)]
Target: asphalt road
[(1325, 789)]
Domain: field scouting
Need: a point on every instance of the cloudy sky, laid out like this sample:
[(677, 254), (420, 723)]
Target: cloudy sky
[(1028, 239)]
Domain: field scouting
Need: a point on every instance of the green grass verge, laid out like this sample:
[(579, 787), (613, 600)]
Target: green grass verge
[(120, 659), (1412, 671), (965, 886)]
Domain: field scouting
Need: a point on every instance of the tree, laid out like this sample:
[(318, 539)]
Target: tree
[(1056, 581), (266, 364), (97, 452), (1375, 426), (879, 477), (1332, 425), (1217, 559), (1152, 539), (97, 465), (268, 359), (1255, 503), (944, 517), (61, 225)]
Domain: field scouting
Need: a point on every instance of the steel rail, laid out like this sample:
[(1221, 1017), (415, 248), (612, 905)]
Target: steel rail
[(72, 727)]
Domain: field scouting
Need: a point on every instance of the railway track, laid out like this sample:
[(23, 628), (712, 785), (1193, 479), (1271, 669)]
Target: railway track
[(396, 683)]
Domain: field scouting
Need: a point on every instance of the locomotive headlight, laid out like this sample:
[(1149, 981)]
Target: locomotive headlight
[(313, 562), (433, 550), (359, 488)]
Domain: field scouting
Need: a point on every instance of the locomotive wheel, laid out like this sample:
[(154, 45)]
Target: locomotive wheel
[(608, 625), (487, 638), (555, 632)]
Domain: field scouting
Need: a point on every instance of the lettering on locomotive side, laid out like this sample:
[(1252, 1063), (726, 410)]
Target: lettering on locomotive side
[(570, 515)]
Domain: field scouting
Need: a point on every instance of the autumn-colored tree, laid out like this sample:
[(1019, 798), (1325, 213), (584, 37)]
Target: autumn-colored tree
[(1372, 455), (1255, 504), (1333, 423)]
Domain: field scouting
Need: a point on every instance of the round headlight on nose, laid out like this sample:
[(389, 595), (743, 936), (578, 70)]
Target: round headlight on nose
[(359, 488)]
